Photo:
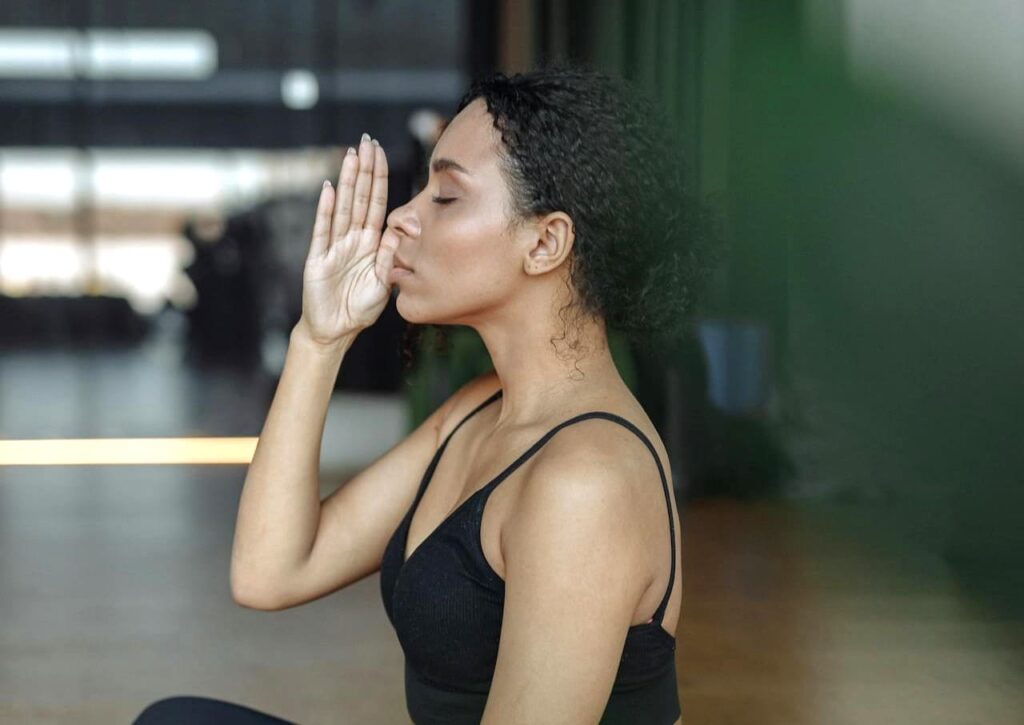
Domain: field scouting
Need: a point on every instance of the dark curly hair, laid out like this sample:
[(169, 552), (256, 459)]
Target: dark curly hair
[(595, 147)]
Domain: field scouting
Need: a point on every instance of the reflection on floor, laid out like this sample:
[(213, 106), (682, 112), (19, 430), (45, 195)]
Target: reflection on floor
[(811, 614), (147, 391), (114, 592), (114, 587)]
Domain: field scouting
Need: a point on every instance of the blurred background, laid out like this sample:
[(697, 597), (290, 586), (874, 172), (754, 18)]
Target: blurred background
[(843, 422)]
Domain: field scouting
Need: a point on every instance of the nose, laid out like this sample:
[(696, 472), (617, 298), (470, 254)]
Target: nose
[(404, 221)]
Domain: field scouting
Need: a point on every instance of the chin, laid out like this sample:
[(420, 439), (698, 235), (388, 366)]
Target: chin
[(407, 311)]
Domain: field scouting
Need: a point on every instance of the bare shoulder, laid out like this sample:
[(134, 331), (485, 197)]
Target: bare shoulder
[(595, 462), (581, 490), (599, 467), (611, 444)]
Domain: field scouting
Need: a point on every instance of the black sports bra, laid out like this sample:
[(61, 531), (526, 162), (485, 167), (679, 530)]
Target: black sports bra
[(445, 603)]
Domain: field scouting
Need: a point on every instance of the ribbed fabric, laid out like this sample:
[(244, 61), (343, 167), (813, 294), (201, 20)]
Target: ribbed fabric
[(446, 605), (656, 703)]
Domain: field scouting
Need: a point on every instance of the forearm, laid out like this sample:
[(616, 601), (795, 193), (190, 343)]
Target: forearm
[(279, 509)]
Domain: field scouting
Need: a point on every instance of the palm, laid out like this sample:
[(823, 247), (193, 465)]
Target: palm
[(345, 284), (342, 286)]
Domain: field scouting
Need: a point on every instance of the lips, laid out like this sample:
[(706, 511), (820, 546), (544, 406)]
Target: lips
[(399, 264)]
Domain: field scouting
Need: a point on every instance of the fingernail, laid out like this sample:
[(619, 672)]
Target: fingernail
[(326, 185), (366, 137), (375, 142), (350, 151)]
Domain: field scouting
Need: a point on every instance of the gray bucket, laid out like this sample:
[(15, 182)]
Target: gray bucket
[(737, 358)]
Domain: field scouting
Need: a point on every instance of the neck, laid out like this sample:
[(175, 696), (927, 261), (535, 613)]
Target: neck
[(541, 379)]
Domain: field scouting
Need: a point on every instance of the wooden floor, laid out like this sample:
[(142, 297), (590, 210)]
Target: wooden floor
[(799, 614), (113, 593)]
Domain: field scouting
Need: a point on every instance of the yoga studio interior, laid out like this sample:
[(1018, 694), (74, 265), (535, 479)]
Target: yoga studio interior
[(839, 410)]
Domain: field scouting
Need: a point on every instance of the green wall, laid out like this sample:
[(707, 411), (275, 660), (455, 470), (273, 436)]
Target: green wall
[(883, 250)]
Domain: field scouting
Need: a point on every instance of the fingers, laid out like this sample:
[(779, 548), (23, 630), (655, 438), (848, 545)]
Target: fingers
[(361, 198), (379, 189), (322, 221), (343, 197)]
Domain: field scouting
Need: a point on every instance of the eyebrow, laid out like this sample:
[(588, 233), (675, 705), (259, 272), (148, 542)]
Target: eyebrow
[(444, 164)]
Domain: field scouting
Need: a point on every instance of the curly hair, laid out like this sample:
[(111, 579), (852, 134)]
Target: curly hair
[(595, 147)]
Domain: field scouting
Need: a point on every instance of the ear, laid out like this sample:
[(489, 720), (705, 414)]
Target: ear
[(551, 244)]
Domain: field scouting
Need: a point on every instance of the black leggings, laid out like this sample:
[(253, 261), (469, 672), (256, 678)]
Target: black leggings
[(194, 710)]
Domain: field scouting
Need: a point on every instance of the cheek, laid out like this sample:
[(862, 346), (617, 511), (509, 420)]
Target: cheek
[(474, 251)]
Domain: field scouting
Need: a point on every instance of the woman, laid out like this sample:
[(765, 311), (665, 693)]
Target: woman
[(531, 571)]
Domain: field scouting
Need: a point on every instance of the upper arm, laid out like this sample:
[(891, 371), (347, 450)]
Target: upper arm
[(358, 519), (573, 577)]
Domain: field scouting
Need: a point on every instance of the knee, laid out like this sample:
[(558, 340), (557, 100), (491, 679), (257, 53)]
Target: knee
[(168, 711)]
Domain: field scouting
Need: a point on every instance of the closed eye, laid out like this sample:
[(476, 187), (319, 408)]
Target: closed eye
[(442, 200)]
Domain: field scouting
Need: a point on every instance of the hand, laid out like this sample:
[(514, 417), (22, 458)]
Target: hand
[(345, 280)]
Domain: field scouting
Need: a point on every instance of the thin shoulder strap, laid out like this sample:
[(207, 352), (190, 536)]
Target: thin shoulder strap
[(471, 413), (429, 473), (659, 613)]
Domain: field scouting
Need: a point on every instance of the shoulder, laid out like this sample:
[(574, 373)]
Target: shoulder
[(605, 450), (584, 482), (599, 468)]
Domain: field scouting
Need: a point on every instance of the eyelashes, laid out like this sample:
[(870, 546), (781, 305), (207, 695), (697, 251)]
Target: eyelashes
[(442, 200)]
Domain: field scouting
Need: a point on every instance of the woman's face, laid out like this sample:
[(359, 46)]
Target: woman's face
[(465, 261)]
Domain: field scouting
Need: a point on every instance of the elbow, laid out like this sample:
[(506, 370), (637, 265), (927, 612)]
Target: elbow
[(251, 600), (246, 598), (246, 601), (257, 605), (245, 594)]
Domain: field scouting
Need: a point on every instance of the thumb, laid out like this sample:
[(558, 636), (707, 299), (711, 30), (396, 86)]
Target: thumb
[(386, 255)]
